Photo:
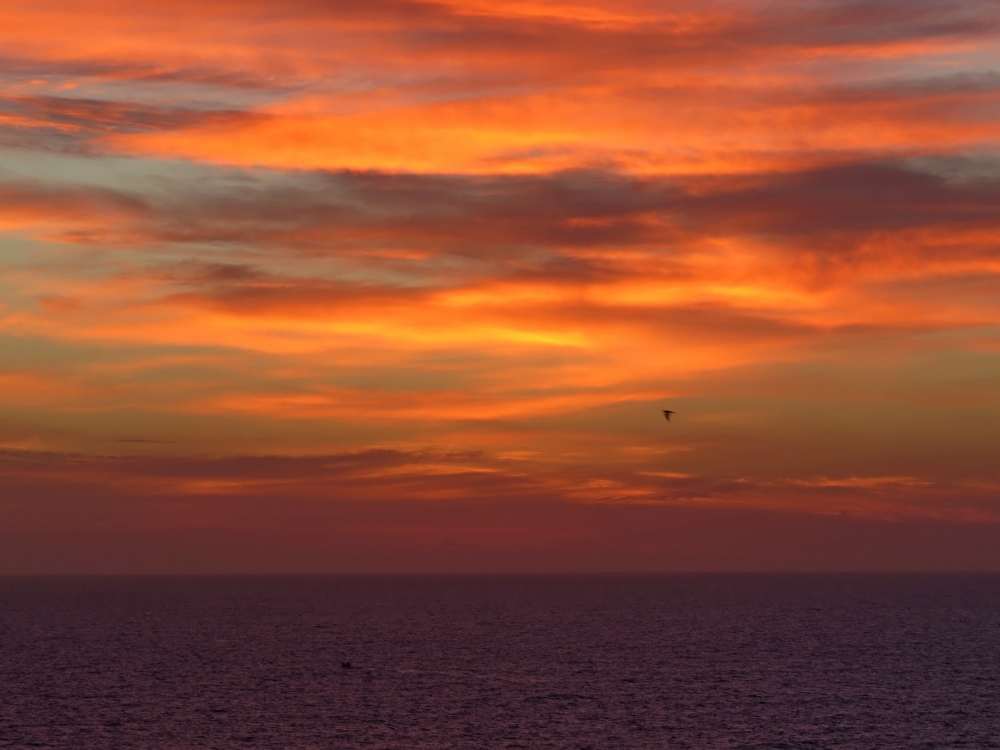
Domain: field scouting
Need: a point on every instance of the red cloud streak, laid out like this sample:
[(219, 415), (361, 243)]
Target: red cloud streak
[(328, 286)]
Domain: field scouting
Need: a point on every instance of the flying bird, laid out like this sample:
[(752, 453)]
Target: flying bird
[(667, 413)]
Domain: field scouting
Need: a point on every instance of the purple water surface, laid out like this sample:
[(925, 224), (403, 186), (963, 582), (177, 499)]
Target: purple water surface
[(667, 661)]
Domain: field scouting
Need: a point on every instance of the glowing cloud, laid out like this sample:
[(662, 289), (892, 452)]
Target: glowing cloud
[(420, 256)]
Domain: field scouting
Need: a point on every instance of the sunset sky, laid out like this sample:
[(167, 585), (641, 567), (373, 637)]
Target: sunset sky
[(325, 285)]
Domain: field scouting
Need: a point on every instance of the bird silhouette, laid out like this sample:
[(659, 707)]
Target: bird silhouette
[(667, 413)]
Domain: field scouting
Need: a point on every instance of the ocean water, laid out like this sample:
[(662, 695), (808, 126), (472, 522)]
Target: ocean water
[(669, 661)]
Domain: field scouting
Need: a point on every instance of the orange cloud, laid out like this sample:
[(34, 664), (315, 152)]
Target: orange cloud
[(427, 252)]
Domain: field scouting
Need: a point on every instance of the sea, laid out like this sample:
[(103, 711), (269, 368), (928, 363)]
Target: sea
[(701, 661)]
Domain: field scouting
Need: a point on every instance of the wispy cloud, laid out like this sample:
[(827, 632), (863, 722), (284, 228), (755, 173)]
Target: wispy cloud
[(272, 251)]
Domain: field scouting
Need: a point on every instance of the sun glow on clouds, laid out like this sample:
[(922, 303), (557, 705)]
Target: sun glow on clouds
[(498, 238)]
